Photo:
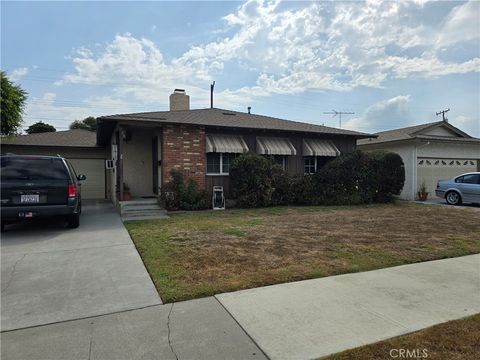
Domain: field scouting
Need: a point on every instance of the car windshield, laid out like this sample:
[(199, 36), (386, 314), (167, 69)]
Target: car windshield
[(20, 168)]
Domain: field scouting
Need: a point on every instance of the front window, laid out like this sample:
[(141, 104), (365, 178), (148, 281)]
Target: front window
[(309, 165), (219, 163), (280, 160)]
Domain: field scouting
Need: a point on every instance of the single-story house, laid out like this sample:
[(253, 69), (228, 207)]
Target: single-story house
[(78, 146), (430, 152), (202, 143)]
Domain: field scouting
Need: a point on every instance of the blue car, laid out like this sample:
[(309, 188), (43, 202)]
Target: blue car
[(464, 188)]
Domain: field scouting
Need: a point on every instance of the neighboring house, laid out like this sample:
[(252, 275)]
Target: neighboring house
[(430, 152), (203, 143), (78, 146)]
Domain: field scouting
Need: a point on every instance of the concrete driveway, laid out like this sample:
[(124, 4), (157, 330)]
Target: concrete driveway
[(51, 273)]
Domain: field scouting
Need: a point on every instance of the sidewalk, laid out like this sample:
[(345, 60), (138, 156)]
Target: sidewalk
[(314, 318), (300, 320)]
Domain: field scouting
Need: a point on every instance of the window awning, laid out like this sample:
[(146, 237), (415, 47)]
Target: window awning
[(318, 147), (225, 144), (275, 146)]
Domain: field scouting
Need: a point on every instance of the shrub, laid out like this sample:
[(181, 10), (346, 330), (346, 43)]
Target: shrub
[(302, 191), (353, 178), (281, 185), (390, 175), (347, 179), (177, 196), (250, 176)]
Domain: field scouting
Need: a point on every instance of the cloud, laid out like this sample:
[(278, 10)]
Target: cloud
[(48, 108), (17, 74), (468, 124), (383, 115), (462, 24), (291, 48)]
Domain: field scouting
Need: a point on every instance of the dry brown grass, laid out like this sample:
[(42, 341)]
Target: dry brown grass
[(203, 253), (454, 340)]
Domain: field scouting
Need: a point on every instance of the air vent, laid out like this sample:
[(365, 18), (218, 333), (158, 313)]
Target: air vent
[(229, 114)]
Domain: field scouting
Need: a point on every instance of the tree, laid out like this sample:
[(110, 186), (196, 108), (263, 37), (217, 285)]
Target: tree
[(89, 123), (40, 127), (12, 98)]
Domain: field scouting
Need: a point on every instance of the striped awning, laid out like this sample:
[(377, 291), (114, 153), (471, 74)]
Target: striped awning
[(317, 147), (225, 144), (275, 146)]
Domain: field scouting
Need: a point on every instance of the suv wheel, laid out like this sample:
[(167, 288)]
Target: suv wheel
[(453, 198), (73, 221)]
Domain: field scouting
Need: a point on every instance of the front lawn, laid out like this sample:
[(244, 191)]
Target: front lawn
[(457, 339), (203, 253)]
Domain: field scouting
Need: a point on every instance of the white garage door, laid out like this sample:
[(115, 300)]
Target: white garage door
[(431, 170), (94, 169)]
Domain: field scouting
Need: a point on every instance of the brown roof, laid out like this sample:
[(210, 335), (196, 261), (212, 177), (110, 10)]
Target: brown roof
[(70, 138), (415, 132), (227, 118)]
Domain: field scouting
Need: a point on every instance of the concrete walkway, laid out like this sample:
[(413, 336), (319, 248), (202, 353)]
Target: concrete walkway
[(51, 273), (314, 318), (197, 329)]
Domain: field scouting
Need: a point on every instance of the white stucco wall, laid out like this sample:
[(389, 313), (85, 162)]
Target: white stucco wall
[(450, 150)]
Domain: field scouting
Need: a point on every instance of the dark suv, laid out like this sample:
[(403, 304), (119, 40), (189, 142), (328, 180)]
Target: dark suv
[(39, 186)]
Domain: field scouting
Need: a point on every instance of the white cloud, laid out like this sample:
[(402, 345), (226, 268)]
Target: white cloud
[(383, 115), (470, 125), (17, 74), (462, 24), (333, 46), (49, 109)]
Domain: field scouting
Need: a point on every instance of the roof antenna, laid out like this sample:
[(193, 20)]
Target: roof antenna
[(443, 114), (212, 86), (335, 113), (249, 109)]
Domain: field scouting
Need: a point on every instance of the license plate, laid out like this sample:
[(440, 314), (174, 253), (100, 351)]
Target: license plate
[(29, 199)]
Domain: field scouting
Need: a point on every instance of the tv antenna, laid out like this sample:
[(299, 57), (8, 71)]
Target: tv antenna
[(339, 113), (443, 114)]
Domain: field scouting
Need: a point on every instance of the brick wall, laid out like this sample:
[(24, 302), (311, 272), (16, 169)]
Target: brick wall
[(184, 150)]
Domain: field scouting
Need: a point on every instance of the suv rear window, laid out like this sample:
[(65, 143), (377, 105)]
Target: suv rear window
[(24, 168)]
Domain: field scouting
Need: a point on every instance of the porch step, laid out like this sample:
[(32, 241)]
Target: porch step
[(138, 202), (136, 207), (141, 209)]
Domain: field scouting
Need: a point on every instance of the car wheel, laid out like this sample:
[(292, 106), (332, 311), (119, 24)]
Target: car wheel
[(453, 198), (73, 221)]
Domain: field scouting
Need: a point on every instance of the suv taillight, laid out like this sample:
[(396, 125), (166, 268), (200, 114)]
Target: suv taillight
[(72, 190), (438, 185)]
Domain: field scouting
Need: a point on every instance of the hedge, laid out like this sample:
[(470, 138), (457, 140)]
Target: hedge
[(353, 178)]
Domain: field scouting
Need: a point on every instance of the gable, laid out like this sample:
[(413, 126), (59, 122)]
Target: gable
[(440, 131)]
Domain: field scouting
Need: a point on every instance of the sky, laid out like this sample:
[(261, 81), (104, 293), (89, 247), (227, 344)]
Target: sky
[(392, 64)]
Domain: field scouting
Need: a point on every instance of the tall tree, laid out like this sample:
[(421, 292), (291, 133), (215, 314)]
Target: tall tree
[(89, 123), (40, 127), (12, 98)]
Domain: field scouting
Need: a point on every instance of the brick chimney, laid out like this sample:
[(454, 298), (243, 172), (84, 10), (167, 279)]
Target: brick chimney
[(179, 100)]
